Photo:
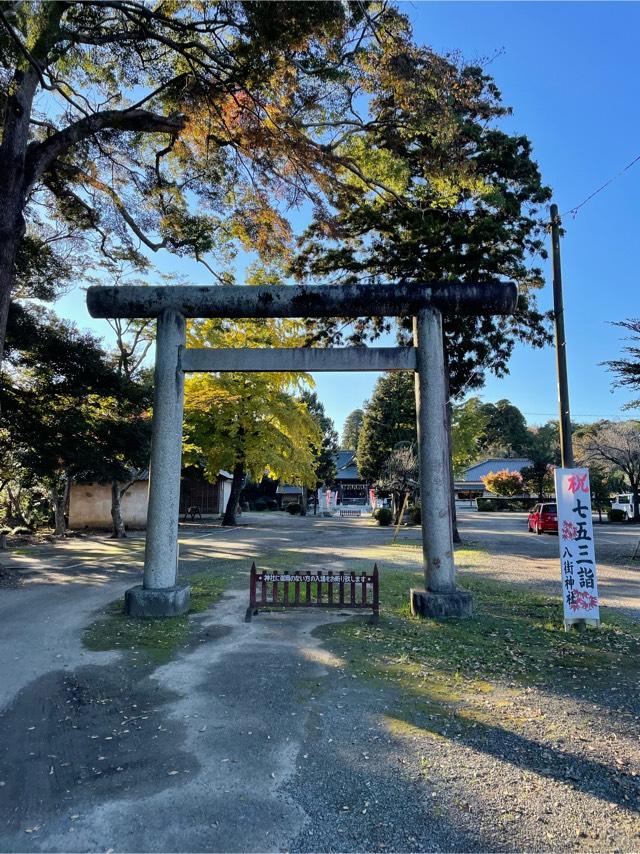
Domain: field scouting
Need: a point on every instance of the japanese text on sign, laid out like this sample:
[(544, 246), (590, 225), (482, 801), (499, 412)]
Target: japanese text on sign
[(323, 579), (577, 553)]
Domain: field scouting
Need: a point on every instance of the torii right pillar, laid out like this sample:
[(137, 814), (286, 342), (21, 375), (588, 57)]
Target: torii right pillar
[(441, 597)]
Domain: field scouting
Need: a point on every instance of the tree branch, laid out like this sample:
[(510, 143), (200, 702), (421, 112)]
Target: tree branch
[(42, 155)]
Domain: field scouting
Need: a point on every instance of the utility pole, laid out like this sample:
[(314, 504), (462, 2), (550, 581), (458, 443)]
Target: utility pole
[(566, 445)]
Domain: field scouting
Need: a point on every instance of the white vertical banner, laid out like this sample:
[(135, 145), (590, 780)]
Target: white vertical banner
[(577, 552)]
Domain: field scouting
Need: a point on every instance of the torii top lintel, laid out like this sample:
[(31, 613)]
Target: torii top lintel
[(390, 300)]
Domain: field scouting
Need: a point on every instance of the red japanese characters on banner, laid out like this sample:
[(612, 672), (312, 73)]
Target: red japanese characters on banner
[(577, 552)]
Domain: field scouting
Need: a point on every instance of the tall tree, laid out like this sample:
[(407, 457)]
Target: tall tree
[(538, 478), (169, 125), (249, 422), (122, 442), (506, 432), (389, 419), (351, 429), (627, 370), (325, 454), (58, 388), (468, 424), (465, 204), (614, 447), (542, 447)]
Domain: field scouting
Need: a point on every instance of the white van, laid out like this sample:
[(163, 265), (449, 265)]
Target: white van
[(623, 501)]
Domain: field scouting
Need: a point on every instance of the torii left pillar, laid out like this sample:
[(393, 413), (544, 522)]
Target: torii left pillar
[(160, 595)]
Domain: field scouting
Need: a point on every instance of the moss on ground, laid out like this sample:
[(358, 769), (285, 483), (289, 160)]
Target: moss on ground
[(156, 639)]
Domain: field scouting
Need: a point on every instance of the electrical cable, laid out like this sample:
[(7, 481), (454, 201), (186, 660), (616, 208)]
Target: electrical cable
[(573, 211)]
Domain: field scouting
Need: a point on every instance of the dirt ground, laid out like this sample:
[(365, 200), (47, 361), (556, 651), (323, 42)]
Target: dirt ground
[(267, 737)]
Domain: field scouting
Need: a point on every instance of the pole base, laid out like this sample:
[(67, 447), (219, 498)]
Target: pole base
[(140, 601), (424, 603)]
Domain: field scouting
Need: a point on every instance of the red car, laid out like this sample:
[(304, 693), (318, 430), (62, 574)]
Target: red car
[(544, 517)]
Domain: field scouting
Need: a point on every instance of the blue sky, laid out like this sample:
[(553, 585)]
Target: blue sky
[(571, 73)]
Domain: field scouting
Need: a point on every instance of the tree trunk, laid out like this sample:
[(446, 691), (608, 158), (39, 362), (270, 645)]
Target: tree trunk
[(119, 532), (57, 502), (454, 514), (303, 501), (15, 510), (14, 184), (60, 501), (231, 509), (636, 503)]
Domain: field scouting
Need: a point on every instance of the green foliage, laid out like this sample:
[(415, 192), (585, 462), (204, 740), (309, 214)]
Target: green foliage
[(389, 419), (293, 508), (468, 425), (543, 444), (616, 515), (601, 488), (504, 482), (325, 463), (383, 516), (462, 202), (69, 412), (415, 514), (63, 403), (490, 505), (351, 430), (627, 371), (538, 479), (180, 126), (506, 431)]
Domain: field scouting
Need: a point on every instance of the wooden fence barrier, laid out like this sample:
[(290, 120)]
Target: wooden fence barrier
[(296, 590)]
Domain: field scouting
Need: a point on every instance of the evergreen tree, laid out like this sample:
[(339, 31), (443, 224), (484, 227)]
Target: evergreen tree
[(389, 419), (351, 429), (627, 370), (325, 461), (66, 411), (506, 431), (464, 206)]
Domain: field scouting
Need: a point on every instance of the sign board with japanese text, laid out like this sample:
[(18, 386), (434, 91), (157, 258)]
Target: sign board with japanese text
[(577, 553)]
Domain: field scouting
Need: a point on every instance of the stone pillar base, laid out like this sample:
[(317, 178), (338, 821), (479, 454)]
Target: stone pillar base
[(159, 602), (424, 603)]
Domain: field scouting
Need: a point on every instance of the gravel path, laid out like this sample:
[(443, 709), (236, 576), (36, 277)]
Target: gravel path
[(528, 781), (262, 737)]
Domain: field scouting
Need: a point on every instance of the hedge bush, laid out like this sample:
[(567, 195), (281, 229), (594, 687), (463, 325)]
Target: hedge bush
[(383, 516), (293, 508), (415, 514), (489, 505), (616, 515)]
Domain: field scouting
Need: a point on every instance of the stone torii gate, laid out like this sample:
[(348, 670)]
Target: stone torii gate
[(160, 595)]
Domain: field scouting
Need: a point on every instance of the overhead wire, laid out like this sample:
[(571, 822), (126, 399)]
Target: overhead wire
[(573, 211)]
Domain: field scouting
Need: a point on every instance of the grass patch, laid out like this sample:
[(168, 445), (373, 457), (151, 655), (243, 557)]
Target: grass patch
[(515, 639), (156, 639)]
